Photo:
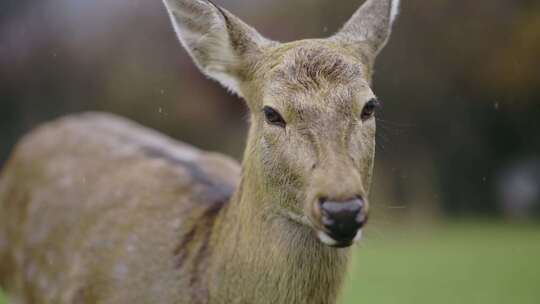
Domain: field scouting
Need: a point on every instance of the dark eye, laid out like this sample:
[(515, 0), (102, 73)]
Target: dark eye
[(370, 108), (273, 117)]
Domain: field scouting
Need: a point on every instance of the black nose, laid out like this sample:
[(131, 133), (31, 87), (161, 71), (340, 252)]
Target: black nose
[(342, 219)]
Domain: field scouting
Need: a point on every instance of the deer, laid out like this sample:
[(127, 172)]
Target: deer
[(95, 208)]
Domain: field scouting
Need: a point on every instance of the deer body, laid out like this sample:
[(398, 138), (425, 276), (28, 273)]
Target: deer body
[(142, 220), (96, 209)]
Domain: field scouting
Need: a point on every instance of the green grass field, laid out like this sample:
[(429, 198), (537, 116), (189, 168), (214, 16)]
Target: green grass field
[(467, 263)]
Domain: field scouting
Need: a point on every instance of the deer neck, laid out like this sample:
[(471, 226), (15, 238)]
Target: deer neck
[(261, 256)]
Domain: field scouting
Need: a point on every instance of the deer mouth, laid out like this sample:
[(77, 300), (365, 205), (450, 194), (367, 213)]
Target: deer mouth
[(326, 237), (338, 241)]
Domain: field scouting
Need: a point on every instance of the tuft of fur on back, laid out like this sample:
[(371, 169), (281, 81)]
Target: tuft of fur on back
[(395, 10)]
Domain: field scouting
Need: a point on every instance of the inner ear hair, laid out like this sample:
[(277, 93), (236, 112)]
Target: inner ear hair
[(219, 43)]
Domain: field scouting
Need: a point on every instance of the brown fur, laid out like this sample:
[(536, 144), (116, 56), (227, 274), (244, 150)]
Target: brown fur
[(97, 209)]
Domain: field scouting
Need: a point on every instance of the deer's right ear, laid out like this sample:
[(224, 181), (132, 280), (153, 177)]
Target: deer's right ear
[(220, 44)]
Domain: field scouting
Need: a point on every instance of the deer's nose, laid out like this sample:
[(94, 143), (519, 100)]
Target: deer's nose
[(342, 219)]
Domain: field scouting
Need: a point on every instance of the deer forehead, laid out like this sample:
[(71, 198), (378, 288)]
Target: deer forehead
[(312, 79), (309, 64)]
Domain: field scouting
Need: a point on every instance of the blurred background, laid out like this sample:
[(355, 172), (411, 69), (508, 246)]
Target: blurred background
[(457, 186)]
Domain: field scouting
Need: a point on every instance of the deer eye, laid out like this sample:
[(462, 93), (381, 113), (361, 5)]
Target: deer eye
[(273, 117), (370, 108)]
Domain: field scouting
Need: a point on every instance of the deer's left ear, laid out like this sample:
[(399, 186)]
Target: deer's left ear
[(221, 45), (371, 24)]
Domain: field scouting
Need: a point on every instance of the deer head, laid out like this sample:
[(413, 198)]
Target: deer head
[(312, 136)]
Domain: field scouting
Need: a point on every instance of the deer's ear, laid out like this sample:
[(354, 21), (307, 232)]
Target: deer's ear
[(220, 44), (371, 24)]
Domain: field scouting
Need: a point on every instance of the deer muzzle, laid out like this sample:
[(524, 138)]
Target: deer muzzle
[(342, 221)]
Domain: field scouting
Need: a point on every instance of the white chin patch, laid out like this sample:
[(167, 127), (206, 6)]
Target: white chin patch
[(326, 239), (358, 236)]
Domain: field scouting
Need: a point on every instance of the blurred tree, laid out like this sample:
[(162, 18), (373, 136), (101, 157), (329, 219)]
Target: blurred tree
[(459, 80)]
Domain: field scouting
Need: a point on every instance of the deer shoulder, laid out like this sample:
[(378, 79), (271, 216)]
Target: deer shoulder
[(97, 203)]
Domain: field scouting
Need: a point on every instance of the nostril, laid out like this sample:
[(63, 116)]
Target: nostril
[(360, 203), (326, 217), (356, 205), (327, 221)]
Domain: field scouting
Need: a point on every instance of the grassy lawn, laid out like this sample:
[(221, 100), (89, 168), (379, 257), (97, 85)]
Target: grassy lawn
[(469, 263)]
